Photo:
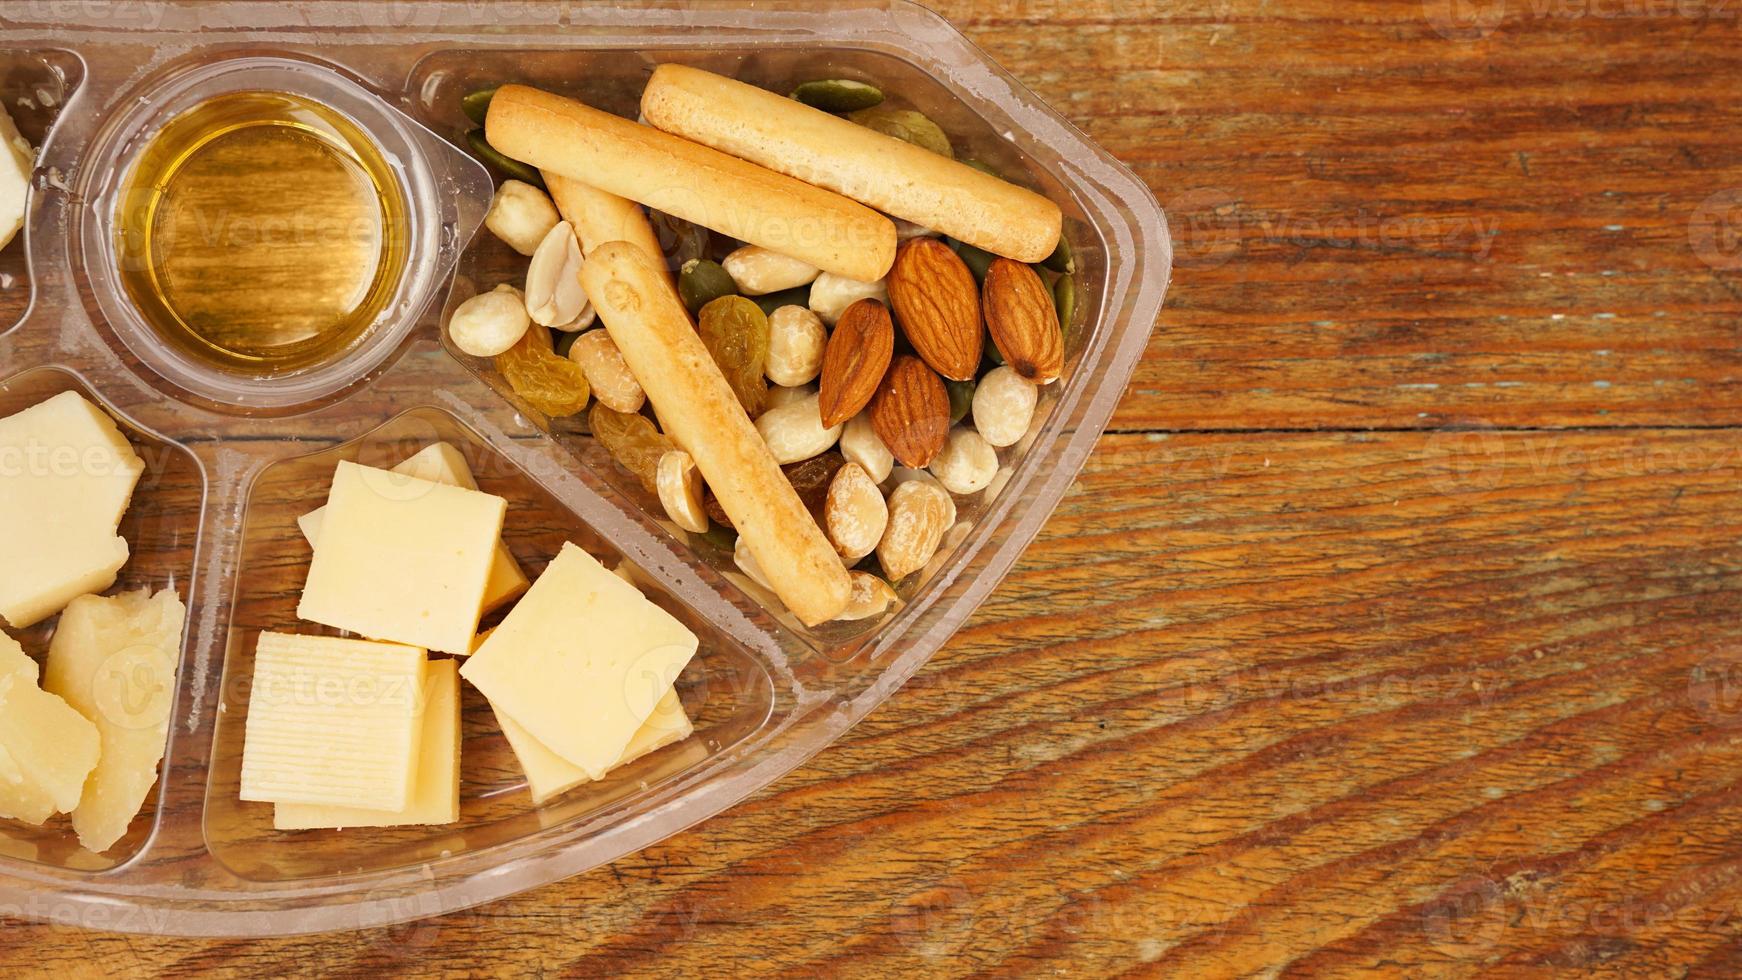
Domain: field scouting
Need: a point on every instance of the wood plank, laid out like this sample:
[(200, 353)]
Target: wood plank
[(1338, 701)]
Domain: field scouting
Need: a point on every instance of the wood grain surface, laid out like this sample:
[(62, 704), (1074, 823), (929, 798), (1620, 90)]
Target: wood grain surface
[(1397, 625)]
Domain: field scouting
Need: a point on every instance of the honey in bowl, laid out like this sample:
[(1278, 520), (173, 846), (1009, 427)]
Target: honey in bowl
[(261, 232)]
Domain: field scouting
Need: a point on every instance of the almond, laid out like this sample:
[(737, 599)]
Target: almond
[(934, 296), (911, 411), (855, 360), (1023, 321)]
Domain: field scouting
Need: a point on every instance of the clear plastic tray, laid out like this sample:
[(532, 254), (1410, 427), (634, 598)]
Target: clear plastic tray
[(228, 472)]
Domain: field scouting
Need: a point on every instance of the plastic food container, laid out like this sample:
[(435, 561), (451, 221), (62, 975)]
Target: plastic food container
[(229, 468)]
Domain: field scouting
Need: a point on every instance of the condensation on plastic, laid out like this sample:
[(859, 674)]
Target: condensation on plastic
[(214, 516)]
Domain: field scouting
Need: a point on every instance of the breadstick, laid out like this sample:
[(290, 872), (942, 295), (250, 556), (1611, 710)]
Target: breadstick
[(891, 175), (599, 217), (685, 179), (700, 413)]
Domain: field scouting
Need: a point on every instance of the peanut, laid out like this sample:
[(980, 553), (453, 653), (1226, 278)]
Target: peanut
[(871, 596), (967, 463), (861, 444), (759, 271), (796, 340), (489, 323), (521, 215), (613, 383), (680, 490), (832, 294), (794, 432), (1004, 406)]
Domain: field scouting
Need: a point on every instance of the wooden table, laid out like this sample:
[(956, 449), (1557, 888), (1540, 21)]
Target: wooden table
[(1397, 623)]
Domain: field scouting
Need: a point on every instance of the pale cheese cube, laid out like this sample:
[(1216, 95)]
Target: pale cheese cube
[(403, 559), (441, 462), (436, 798), (581, 661), (114, 659), (66, 476), (17, 160), (333, 721), (52, 748), (548, 774), (20, 797)]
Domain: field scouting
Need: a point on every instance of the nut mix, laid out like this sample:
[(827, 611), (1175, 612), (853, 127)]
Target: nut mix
[(935, 367)]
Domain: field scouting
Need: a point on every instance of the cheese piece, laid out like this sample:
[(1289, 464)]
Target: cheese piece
[(436, 798), (333, 721), (581, 661), (66, 476), (114, 660), (20, 797), (50, 747), (440, 462), (17, 160), (403, 559), (548, 774)]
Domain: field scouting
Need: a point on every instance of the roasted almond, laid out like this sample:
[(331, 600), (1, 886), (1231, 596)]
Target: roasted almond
[(935, 299), (855, 360), (911, 411), (1023, 321)]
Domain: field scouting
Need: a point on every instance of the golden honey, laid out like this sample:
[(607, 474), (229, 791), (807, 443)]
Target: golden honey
[(262, 232)]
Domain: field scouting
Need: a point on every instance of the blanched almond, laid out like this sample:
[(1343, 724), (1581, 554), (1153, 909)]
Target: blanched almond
[(871, 596), (855, 514), (919, 514)]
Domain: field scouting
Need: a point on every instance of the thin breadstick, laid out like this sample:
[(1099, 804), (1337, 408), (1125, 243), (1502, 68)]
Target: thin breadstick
[(890, 175), (688, 180), (599, 217), (700, 413)]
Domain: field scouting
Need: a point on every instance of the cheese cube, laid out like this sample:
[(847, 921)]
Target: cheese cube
[(17, 160), (581, 661), (436, 798), (66, 476), (333, 721), (440, 462), (114, 660), (403, 559), (50, 748), (548, 774), (20, 797)]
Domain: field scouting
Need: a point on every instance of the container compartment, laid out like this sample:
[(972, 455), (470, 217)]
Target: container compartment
[(161, 526), (613, 80), (34, 86), (725, 690)]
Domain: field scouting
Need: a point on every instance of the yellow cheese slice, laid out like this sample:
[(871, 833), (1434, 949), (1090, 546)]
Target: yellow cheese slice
[(51, 747), (66, 476), (581, 661), (436, 798), (548, 774), (402, 559), (440, 462), (333, 721), (113, 658)]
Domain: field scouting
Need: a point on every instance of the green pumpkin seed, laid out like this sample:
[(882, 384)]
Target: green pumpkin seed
[(978, 260), (1064, 299), (992, 354), (680, 239), (476, 105), (562, 340), (907, 125), (961, 399), (838, 95), (1061, 260), (721, 537), (796, 296), (984, 168), (701, 281), (508, 166)]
